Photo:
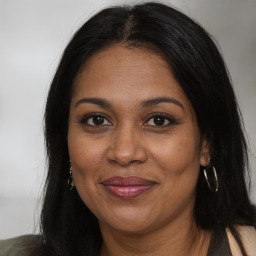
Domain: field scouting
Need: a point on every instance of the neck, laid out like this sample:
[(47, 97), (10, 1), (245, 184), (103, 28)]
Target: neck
[(176, 239)]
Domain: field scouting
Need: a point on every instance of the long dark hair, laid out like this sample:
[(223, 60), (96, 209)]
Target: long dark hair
[(68, 227)]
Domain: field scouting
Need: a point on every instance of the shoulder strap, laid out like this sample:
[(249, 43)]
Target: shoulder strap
[(219, 245)]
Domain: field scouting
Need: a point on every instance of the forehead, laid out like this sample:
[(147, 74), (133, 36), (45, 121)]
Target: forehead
[(119, 73)]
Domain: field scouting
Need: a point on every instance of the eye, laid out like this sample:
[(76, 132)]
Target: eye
[(160, 120), (95, 120)]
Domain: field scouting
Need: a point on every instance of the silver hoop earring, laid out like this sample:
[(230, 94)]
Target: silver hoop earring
[(212, 181), (70, 179)]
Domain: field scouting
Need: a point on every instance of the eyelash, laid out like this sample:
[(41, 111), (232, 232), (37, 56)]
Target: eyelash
[(170, 119), (85, 119)]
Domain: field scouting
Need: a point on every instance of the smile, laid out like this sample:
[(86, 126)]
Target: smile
[(127, 187)]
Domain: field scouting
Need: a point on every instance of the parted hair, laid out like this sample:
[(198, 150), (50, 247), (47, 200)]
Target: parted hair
[(68, 227)]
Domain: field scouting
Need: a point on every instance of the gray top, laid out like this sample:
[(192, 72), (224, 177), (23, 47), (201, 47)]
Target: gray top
[(17, 246)]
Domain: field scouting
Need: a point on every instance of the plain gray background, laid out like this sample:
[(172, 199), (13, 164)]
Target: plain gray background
[(33, 34)]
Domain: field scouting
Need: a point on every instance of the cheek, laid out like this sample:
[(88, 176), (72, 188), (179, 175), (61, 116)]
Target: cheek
[(177, 153), (85, 155), (179, 159)]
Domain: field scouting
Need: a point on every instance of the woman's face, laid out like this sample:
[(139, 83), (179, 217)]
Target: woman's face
[(134, 142)]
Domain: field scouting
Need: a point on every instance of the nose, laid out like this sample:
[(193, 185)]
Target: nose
[(126, 148)]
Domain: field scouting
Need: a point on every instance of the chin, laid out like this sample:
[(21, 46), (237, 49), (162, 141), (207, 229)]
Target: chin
[(129, 221)]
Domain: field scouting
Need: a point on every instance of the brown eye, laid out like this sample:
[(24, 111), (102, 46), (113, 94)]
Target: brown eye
[(96, 120), (160, 120)]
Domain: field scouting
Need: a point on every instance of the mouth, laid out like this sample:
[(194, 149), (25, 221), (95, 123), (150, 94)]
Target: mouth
[(127, 187)]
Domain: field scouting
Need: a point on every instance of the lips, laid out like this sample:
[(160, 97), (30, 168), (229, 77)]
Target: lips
[(127, 187)]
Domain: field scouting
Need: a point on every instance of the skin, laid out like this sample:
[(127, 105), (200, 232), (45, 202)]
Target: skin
[(129, 143)]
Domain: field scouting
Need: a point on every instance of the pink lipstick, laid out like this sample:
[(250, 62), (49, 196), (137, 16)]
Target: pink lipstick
[(127, 187)]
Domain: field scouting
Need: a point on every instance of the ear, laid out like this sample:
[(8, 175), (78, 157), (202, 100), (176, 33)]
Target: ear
[(206, 150)]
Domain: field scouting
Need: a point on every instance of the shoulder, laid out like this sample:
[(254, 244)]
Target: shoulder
[(18, 246), (248, 237)]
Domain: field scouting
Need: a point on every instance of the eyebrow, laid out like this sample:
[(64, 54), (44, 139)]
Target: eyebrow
[(96, 101), (147, 103), (155, 101)]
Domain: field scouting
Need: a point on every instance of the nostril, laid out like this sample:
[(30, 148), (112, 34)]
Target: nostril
[(127, 157)]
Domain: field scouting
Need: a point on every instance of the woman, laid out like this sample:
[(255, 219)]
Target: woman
[(146, 149)]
